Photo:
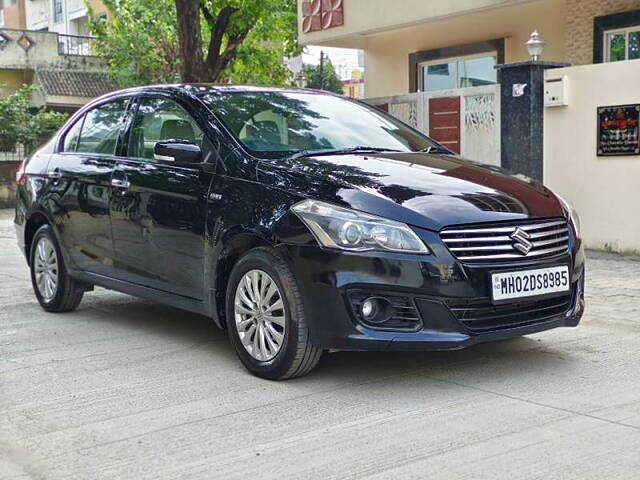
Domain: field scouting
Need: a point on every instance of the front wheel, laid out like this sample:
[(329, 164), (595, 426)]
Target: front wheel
[(266, 319), (55, 290)]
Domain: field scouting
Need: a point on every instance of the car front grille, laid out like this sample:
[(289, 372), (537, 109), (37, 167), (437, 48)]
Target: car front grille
[(507, 241), (480, 315)]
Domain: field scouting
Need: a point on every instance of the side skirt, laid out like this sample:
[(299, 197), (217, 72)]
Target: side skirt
[(178, 301)]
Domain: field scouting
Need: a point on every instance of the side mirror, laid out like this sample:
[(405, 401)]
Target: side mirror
[(179, 151)]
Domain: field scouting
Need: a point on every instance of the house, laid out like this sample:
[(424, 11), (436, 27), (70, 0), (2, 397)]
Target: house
[(67, 17), (461, 71), (418, 45), (12, 14), (45, 42), (353, 88)]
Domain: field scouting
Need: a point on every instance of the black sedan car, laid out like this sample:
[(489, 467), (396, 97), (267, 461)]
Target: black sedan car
[(299, 221)]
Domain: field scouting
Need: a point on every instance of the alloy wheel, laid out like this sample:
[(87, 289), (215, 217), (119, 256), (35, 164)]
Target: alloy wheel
[(46, 269), (260, 315)]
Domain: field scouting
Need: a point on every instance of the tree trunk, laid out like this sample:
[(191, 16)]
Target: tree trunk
[(194, 66), (190, 41)]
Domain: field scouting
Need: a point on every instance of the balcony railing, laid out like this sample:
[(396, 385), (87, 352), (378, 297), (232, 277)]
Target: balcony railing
[(76, 45)]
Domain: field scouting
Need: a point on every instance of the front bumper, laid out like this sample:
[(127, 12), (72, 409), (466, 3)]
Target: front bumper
[(437, 285)]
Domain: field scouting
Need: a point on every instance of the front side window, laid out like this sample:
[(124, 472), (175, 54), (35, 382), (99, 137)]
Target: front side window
[(102, 127), (622, 44), (273, 124), (459, 73), (158, 120), (58, 14)]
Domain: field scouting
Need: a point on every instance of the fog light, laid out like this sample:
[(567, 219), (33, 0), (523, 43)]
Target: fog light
[(369, 308), (381, 311)]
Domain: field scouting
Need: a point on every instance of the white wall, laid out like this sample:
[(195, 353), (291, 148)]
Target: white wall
[(38, 13), (605, 190)]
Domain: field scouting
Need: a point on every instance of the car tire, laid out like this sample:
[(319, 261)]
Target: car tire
[(296, 355), (55, 290)]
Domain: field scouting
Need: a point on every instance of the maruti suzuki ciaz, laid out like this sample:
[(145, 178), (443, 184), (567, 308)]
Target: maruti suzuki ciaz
[(299, 221)]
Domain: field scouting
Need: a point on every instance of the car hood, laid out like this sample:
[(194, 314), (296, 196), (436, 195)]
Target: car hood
[(426, 190)]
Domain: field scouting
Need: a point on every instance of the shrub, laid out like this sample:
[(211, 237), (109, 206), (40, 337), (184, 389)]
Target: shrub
[(23, 124)]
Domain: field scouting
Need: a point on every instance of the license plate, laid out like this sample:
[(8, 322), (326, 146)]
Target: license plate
[(529, 283)]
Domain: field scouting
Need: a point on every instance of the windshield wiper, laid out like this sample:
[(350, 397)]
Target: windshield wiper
[(436, 149), (338, 151)]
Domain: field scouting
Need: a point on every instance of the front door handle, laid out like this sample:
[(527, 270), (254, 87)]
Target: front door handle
[(54, 174), (120, 183)]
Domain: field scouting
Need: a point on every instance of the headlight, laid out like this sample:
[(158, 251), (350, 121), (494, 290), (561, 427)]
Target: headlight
[(573, 213), (337, 227)]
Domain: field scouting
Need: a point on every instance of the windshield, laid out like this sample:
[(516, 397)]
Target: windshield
[(277, 124)]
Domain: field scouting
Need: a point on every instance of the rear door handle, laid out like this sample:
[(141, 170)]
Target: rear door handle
[(120, 183)]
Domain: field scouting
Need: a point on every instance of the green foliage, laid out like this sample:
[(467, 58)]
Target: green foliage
[(139, 40), (273, 36), (332, 82), (618, 48), (23, 124)]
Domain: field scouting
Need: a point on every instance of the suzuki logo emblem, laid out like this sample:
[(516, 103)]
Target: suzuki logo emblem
[(521, 241)]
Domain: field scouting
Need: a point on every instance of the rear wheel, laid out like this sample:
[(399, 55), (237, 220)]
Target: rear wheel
[(54, 289), (266, 319)]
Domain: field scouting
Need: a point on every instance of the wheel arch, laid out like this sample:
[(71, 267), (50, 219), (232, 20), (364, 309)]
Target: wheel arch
[(35, 220), (236, 244)]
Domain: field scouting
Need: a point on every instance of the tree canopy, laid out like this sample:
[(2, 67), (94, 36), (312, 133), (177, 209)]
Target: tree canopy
[(160, 41), (327, 80)]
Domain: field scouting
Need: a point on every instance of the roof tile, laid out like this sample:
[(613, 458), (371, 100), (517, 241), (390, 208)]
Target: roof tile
[(74, 84)]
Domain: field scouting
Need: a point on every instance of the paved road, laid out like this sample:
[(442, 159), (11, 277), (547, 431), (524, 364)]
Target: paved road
[(127, 389)]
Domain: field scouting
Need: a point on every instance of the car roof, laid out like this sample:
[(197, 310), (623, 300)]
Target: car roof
[(196, 89)]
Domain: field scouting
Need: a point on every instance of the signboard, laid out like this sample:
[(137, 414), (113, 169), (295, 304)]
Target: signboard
[(618, 130)]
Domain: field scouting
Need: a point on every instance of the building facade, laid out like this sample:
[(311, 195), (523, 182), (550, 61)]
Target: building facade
[(68, 17), (413, 45), (353, 88), (12, 14)]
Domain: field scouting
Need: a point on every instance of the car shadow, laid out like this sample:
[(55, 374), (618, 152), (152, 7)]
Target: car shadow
[(154, 318), (524, 355)]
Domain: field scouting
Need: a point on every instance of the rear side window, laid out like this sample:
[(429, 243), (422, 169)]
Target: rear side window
[(102, 127), (72, 136)]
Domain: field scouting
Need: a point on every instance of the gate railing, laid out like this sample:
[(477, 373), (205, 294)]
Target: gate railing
[(479, 117), (15, 153)]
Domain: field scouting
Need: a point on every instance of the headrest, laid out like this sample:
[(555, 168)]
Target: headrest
[(267, 130), (177, 130)]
